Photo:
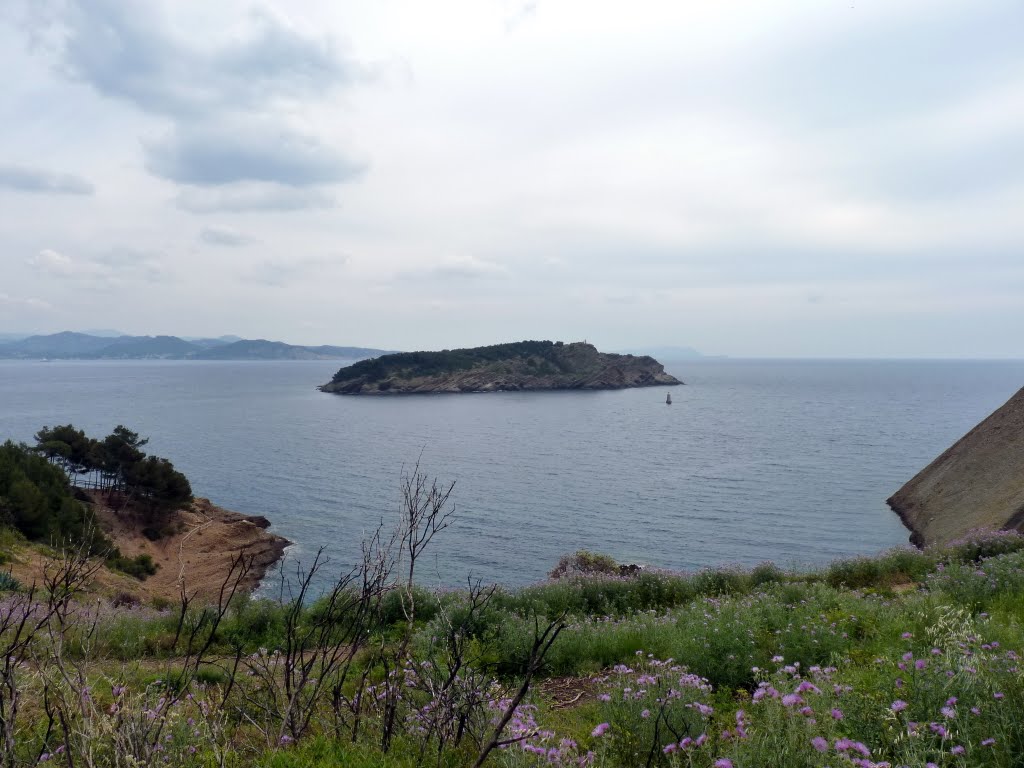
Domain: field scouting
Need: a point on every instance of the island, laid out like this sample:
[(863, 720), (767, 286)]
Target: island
[(519, 366), (976, 484)]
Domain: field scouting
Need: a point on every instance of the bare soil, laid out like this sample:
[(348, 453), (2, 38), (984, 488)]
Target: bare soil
[(197, 555)]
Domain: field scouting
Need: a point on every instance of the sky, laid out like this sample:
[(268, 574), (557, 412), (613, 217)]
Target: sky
[(802, 178)]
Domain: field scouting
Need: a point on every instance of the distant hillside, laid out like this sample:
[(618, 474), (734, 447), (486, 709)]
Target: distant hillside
[(131, 347), (976, 483), (523, 365), (261, 349), (64, 344), (68, 345)]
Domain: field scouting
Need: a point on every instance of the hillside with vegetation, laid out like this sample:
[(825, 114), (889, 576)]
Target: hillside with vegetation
[(132, 511), (519, 366), (50, 493)]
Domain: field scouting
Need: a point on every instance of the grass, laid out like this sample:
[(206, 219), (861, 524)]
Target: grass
[(908, 658)]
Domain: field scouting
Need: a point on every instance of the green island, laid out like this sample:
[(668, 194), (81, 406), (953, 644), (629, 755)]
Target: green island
[(908, 658), (519, 366)]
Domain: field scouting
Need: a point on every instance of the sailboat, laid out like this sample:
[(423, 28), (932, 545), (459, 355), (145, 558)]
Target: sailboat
[(668, 399)]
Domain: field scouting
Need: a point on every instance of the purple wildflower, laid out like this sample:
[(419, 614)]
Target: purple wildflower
[(601, 729), (819, 744), (898, 706)]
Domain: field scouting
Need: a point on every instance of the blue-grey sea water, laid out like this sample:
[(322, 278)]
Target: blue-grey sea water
[(755, 460)]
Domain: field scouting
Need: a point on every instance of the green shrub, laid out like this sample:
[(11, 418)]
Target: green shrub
[(140, 566), (585, 563), (8, 583), (978, 545), (255, 624)]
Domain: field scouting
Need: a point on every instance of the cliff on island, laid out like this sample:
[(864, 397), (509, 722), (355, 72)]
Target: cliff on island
[(520, 366), (978, 483)]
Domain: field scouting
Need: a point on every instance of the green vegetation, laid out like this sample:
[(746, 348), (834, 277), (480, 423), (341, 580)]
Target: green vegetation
[(908, 658), (8, 583), (117, 464), (540, 354), (37, 500), (41, 497)]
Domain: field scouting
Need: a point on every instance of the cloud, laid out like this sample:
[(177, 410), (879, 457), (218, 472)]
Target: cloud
[(214, 154), (25, 179), (6, 300), (232, 102), (124, 263), (252, 197), (279, 273), (459, 268), (224, 236), (108, 269), (128, 51), (55, 263), (518, 12)]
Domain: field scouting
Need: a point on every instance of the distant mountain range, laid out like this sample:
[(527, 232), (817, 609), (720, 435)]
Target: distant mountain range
[(84, 346)]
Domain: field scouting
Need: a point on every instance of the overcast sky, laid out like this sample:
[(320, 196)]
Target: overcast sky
[(809, 178)]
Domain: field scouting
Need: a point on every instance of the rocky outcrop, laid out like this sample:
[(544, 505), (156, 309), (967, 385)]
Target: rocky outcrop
[(978, 483), (521, 366)]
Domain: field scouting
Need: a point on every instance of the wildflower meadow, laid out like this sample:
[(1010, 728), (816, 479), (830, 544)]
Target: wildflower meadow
[(911, 658)]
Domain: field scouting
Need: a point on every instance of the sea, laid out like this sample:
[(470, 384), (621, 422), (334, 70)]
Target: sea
[(788, 461)]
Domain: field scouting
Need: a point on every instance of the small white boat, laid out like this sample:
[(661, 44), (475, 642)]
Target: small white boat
[(668, 399)]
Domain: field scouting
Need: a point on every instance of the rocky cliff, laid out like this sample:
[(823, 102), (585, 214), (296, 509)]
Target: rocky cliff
[(524, 365), (978, 483)]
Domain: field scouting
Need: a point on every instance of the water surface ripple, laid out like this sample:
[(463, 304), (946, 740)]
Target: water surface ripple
[(756, 460)]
